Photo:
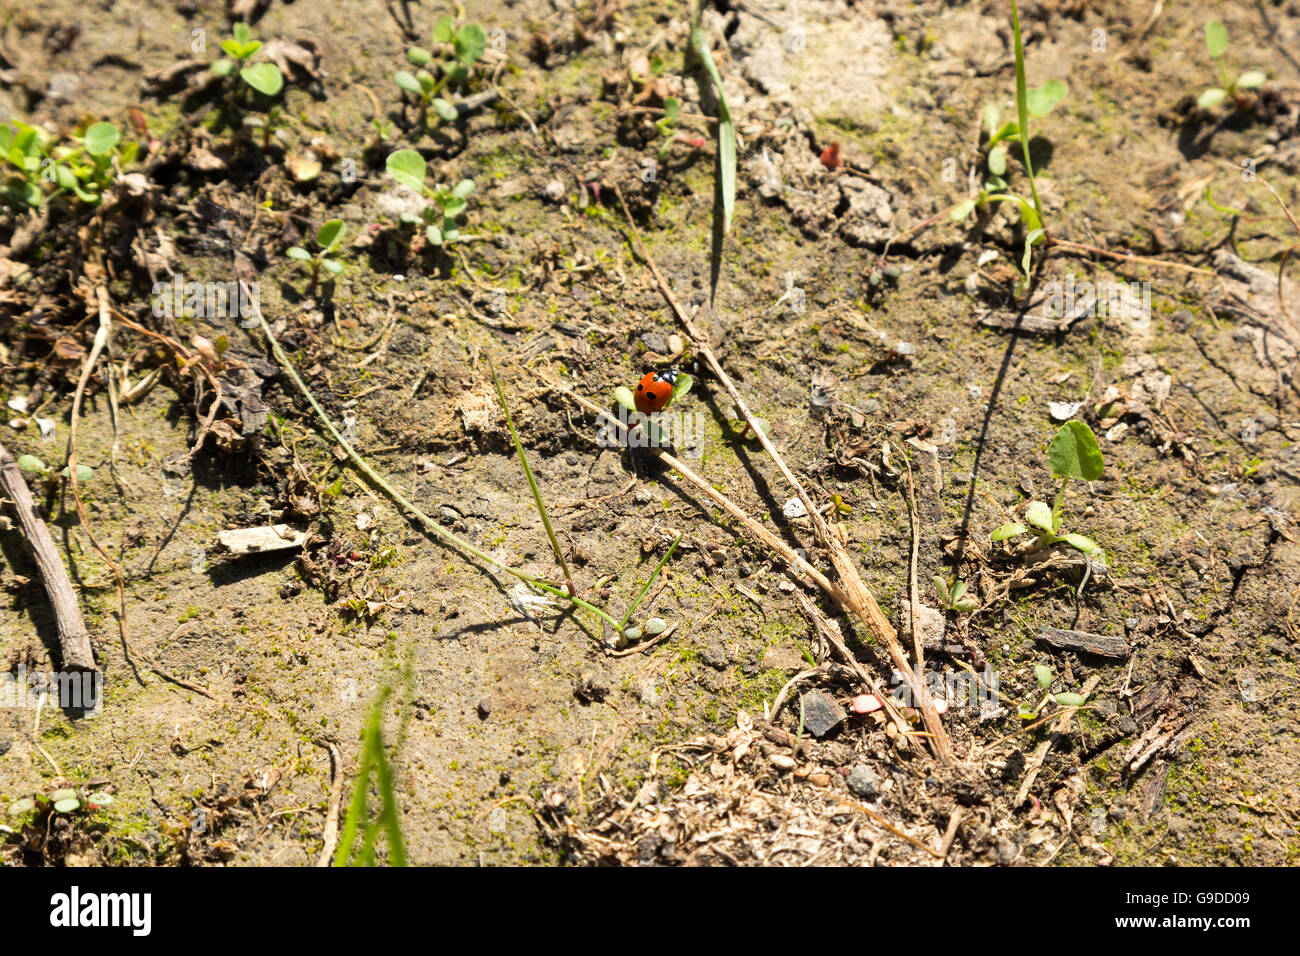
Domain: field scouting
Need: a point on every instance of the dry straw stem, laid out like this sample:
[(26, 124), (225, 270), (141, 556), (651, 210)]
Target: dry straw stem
[(850, 592), (74, 639)]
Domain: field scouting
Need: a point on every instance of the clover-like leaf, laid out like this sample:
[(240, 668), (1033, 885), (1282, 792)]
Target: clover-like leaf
[(266, 78), (1074, 452), (100, 139), (470, 42), (444, 31), (408, 168), (330, 235)]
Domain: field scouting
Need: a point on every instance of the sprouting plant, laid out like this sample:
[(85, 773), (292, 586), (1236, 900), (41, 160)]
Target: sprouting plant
[(1039, 101), (446, 203), (1216, 42), (953, 596), (358, 823), (87, 170), (328, 238), (273, 126), (462, 47), (265, 78), (25, 152), (40, 806), (1073, 453), (34, 466), (1043, 674)]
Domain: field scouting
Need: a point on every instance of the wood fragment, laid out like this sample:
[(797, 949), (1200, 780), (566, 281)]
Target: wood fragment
[(74, 640), (1099, 645)]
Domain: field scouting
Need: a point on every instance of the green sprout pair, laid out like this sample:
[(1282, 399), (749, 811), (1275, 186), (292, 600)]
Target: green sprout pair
[(1043, 674), (1036, 102), (63, 801), (328, 238), (1073, 454), (1216, 42), (265, 78), (953, 596), (446, 203), (463, 47), (34, 466)]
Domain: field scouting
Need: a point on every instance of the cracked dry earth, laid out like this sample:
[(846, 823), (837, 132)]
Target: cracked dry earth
[(868, 330)]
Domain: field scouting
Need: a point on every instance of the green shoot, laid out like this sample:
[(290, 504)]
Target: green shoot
[(953, 596), (1073, 454), (374, 762), (461, 48), (328, 238), (265, 78), (645, 589), (532, 483), (1043, 674), (34, 466), (447, 203), (1216, 43)]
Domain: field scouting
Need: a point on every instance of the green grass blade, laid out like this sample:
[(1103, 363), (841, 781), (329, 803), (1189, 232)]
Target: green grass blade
[(1022, 104), (726, 131), (532, 482), (640, 597)]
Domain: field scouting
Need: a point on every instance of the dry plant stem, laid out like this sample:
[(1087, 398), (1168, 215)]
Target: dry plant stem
[(331, 834), (762, 534), (913, 592), (100, 343), (74, 639), (852, 593), (1126, 257)]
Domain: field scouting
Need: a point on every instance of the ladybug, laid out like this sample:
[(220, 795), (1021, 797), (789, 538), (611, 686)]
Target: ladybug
[(654, 391)]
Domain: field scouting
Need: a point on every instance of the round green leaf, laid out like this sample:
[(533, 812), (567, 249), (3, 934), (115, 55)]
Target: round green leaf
[(263, 77), (419, 56), (223, 67), (1251, 80), (1069, 700), (470, 42), (1009, 530), (1041, 101), (434, 235), (332, 266), (100, 139), (330, 234), (84, 473), (299, 253), (19, 807), (681, 386), (32, 464), (100, 799), (1080, 543), (67, 806), (1043, 674), (408, 168), (632, 633), (656, 625), (463, 188), (1074, 452), (444, 30)]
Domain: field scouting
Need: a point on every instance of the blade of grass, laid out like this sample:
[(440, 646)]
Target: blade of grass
[(640, 597), (1022, 105), (726, 130), (364, 466), (532, 482)]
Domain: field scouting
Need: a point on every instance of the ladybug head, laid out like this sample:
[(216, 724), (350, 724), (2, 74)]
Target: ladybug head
[(669, 376)]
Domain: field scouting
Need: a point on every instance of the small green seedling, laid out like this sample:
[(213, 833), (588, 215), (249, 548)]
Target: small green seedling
[(34, 466), (62, 802), (1039, 102), (265, 78), (1043, 674), (462, 47), (25, 150), (88, 170), (1216, 42), (1074, 453), (328, 238), (447, 203), (953, 596)]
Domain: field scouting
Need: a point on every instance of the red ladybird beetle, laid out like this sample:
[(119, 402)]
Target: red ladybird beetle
[(654, 391)]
